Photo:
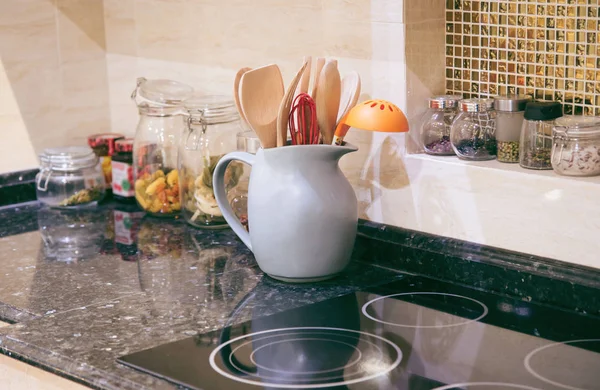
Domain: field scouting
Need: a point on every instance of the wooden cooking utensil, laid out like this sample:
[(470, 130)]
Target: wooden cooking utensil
[(236, 92), (319, 67), (328, 101), (351, 86), (284, 107), (261, 91), (305, 80)]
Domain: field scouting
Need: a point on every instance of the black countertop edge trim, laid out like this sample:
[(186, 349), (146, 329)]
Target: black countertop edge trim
[(470, 251), (7, 351), (18, 177)]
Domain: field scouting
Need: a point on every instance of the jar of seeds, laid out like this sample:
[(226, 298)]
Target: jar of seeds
[(435, 130), (510, 112), (535, 148), (473, 131)]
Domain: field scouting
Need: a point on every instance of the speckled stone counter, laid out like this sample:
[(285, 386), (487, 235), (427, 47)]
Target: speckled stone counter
[(83, 289)]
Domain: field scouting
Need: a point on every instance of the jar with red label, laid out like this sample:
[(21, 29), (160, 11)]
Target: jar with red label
[(122, 171), (103, 146)]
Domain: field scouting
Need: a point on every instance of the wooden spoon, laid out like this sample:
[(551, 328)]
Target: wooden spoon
[(284, 107), (351, 86), (236, 92), (319, 67), (261, 91), (328, 101)]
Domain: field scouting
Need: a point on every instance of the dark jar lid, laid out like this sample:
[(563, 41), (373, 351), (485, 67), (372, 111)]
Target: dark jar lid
[(124, 145), (543, 111), (104, 141)]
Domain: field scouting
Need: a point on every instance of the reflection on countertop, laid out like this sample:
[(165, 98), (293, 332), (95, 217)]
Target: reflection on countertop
[(87, 286)]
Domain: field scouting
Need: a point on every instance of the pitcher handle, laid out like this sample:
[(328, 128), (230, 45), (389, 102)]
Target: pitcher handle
[(221, 194)]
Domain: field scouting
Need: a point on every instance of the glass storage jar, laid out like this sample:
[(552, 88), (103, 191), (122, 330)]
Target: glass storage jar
[(510, 112), (435, 130), (104, 146), (536, 135), (212, 127), (70, 177), (248, 142), (576, 146), (161, 124), (473, 131)]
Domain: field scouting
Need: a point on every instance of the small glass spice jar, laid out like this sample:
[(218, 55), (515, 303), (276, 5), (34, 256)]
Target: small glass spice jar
[(510, 112), (161, 124), (576, 147), (70, 177), (536, 135), (212, 127), (473, 131), (248, 142), (435, 130), (122, 171), (103, 146)]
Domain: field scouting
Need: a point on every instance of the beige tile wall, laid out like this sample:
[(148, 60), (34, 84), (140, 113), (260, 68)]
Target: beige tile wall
[(54, 88)]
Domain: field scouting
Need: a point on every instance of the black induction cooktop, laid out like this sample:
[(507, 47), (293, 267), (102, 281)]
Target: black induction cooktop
[(415, 334)]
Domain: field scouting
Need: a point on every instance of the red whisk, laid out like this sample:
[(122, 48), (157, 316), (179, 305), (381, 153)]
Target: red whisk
[(304, 128)]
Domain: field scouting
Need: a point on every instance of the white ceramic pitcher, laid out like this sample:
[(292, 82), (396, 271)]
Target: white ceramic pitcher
[(302, 211)]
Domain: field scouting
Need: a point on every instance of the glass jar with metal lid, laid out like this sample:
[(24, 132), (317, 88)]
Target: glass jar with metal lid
[(576, 146), (536, 135), (161, 124), (473, 131), (510, 112), (70, 177), (435, 128), (211, 133)]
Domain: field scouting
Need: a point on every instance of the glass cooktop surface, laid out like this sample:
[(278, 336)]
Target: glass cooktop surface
[(415, 334)]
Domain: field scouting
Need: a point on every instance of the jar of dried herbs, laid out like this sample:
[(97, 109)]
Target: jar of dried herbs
[(510, 112), (213, 124), (536, 135)]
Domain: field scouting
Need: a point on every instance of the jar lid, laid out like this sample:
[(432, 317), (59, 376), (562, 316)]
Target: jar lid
[(543, 111), (511, 103), (444, 101), (576, 125), (104, 139), (247, 141), (69, 158), (124, 145), (476, 105), (165, 92), (213, 108)]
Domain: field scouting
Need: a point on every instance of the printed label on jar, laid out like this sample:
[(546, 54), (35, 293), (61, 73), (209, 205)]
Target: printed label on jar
[(122, 184)]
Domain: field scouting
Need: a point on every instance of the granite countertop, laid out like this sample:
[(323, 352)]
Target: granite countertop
[(83, 288)]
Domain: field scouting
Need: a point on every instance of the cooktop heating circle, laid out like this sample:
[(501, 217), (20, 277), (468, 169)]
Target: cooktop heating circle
[(485, 384), (484, 311), (544, 347), (382, 367)]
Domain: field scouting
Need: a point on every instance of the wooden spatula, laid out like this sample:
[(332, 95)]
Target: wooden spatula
[(328, 100), (305, 80), (351, 86), (236, 92), (319, 67), (284, 107), (261, 91)]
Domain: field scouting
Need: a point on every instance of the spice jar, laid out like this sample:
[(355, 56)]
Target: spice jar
[(536, 135), (576, 147), (162, 121), (435, 131), (248, 142), (212, 127), (510, 112), (103, 146), (473, 131), (122, 170), (69, 177)]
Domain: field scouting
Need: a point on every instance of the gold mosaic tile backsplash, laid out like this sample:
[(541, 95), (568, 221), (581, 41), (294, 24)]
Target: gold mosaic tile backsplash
[(548, 49)]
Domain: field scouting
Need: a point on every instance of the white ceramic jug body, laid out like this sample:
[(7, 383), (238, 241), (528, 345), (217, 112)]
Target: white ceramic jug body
[(302, 211)]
